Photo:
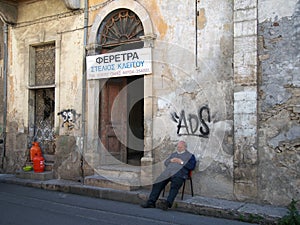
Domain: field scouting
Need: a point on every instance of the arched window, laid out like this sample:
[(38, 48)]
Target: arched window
[(120, 30)]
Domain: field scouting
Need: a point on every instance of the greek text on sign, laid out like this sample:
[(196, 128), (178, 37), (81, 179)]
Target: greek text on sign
[(119, 64)]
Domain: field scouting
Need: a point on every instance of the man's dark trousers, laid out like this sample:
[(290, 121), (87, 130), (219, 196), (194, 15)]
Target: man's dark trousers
[(176, 183)]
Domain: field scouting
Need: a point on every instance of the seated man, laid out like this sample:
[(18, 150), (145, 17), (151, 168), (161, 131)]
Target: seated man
[(178, 165)]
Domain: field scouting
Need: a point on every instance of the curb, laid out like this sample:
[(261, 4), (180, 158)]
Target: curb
[(246, 212)]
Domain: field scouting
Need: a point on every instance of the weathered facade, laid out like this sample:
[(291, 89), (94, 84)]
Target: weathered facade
[(226, 81), (2, 91), (278, 79)]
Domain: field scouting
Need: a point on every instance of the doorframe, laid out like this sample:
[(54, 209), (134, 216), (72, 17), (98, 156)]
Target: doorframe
[(94, 146)]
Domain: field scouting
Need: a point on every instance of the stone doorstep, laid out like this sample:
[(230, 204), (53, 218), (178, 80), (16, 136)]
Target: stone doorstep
[(48, 166), (122, 175), (31, 175), (119, 168), (118, 177), (113, 183), (49, 158)]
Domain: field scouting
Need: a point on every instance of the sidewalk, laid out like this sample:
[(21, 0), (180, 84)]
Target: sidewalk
[(248, 212)]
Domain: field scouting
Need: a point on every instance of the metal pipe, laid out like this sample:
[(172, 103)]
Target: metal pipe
[(5, 64), (83, 104)]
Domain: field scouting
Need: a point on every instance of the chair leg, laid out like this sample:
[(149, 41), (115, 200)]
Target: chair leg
[(163, 194), (192, 190), (183, 190)]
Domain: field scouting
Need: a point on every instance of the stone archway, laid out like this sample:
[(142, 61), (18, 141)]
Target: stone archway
[(8, 12), (134, 6)]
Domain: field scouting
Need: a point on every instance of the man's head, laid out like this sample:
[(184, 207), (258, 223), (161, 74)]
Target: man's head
[(181, 146)]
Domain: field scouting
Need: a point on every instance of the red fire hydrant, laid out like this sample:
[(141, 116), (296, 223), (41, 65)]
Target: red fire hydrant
[(35, 150), (38, 164)]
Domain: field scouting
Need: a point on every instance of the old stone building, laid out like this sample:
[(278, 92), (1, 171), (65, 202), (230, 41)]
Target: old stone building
[(108, 87)]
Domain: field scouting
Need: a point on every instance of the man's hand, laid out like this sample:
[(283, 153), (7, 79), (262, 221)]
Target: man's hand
[(176, 160)]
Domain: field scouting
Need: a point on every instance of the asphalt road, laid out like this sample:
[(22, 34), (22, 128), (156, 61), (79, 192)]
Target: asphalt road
[(21, 205)]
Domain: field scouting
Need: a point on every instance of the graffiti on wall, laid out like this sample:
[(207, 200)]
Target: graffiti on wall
[(193, 124), (70, 118)]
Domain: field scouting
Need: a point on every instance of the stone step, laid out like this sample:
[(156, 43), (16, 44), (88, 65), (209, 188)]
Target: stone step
[(104, 182), (121, 172), (120, 177), (48, 166), (46, 175), (49, 158)]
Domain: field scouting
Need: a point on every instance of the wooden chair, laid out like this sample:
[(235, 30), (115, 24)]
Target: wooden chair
[(183, 186)]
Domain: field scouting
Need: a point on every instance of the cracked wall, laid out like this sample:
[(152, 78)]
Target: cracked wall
[(192, 91), (279, 102), (54, 24)]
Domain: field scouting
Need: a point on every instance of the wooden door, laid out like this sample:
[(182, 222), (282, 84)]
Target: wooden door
[(113, 121)]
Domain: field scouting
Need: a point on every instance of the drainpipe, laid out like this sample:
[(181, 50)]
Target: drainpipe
[(83, 134), (5, 64)]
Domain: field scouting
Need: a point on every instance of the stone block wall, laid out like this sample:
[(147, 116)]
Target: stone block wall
[(17, 150), (279, 103), (1, 98), (68, 159), (1, 76), (245, 96)]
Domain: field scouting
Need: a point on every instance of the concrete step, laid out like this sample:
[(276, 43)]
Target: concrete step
[(119, 177), (46, 175), (49, 161), (49, 158), (104, 182), (48, 166)]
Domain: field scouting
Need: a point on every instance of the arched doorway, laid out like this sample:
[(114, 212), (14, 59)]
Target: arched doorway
[(121, 100)]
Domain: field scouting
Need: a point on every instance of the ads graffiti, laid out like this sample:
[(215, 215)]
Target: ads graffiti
[(193, 124)]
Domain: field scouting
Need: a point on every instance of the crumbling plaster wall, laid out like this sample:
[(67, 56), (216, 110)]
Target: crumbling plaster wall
[(279, 101), (2, 80), (54, 23), (189, 76), (1, 76)]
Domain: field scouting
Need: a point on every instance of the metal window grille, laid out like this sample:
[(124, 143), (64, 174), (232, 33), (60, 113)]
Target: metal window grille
[(45, 64), (44, 98), (120, 27)]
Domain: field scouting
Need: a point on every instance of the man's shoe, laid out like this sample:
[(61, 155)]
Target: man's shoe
[(164, 205), (148, 205)]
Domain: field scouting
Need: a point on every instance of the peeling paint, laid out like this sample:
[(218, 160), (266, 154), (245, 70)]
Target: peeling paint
[(270, 10), (201, 19), (11, 91), (158, 21)]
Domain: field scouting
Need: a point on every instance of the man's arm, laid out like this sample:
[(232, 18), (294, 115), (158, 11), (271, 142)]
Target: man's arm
[(191, 164), (168, 160)]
